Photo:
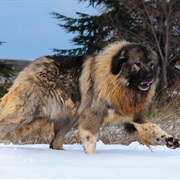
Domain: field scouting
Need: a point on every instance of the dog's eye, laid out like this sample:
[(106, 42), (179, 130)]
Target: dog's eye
[(152, 65), (137, 64)]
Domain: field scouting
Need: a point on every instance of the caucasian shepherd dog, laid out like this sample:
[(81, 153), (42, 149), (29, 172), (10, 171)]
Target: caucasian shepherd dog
[(116, 84)]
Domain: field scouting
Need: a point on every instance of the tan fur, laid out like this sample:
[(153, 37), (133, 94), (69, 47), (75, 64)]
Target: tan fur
[(69, 103), (151, 134), (111, 88), (116, 84), (43, 124)]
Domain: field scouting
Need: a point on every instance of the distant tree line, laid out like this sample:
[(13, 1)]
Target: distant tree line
[(1, 42), (152, 22), (6, 71)]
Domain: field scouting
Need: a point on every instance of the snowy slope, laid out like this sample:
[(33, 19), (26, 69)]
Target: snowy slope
[(111, 161)]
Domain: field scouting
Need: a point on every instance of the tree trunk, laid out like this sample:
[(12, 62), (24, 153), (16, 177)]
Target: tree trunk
[(164, 82)]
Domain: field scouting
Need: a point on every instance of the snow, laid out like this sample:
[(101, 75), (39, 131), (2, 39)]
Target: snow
[(111, 162)]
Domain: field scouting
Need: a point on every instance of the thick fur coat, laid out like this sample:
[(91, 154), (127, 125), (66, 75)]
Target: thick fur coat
[(117, 83)]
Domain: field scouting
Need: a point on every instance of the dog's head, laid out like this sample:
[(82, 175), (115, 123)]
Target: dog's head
[(138, 65)]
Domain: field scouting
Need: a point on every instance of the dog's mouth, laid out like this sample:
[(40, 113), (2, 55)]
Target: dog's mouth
[(144, 86)]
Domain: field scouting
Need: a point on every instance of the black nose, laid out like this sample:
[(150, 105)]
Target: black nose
[(148, 78)]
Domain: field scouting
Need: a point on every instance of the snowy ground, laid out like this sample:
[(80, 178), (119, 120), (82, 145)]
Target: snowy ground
[(111, 161)]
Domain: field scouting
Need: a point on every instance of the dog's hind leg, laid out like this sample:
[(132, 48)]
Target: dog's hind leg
[(12, 124), (45, 126), (61, 127), (18, 108)]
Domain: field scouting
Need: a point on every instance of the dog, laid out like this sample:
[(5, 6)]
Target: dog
[(118, 83), (37, 131)]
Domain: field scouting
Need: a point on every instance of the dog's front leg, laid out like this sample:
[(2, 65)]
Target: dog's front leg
[(152, 134), (89, 124)]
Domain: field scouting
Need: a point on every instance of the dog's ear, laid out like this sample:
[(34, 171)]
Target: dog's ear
[(117, 62)]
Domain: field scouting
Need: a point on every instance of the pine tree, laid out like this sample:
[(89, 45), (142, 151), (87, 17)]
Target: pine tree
[(6, 71), (93, 32), (1, 42), (156, 23)]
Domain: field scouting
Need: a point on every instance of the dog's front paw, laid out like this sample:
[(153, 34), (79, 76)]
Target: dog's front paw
[(172, 143)]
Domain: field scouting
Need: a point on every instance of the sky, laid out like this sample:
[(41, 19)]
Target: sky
[(30, 32)]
